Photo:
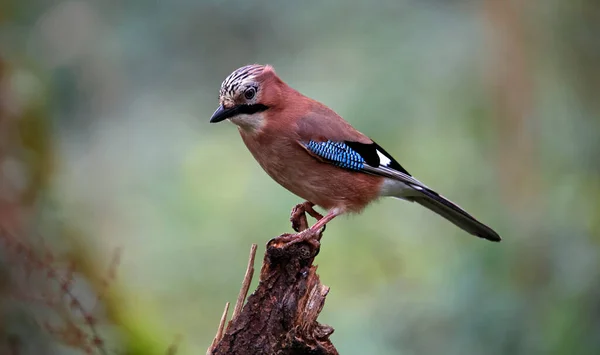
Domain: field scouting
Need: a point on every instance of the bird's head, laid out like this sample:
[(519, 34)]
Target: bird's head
[(246, 94)]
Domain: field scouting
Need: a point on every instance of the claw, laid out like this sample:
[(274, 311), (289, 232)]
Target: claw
[(298, 215), (300, 225), (308, 235), (298, 218)]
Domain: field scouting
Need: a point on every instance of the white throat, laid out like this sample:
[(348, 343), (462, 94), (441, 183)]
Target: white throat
[(249, 123)]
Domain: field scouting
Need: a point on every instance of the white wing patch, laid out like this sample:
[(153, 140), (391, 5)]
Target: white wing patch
[(383, 160)]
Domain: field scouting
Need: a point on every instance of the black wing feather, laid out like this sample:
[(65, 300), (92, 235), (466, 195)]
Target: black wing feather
[(369, 154)]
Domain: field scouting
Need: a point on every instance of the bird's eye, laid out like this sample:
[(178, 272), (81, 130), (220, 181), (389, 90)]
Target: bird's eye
[(250, 93)]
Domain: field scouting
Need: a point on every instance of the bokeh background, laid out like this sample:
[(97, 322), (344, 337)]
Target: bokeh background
[(112, 177)]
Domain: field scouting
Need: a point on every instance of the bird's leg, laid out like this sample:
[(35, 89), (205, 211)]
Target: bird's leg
[(311, 235), (311, 211), (334, 212), (300, 225), (298, 215), (287, 240)]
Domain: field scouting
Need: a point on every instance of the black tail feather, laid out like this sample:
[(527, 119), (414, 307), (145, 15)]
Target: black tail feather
[(453, 213)]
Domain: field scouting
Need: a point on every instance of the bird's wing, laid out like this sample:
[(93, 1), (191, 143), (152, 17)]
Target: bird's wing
[(366, 158), (332, 140), (329, 138)]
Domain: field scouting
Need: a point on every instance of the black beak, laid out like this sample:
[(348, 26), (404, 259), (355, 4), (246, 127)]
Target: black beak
[(222, 113)]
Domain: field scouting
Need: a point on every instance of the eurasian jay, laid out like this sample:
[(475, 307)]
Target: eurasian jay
[(314, 153)]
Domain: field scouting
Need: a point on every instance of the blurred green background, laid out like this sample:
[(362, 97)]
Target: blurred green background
[(105, 145)]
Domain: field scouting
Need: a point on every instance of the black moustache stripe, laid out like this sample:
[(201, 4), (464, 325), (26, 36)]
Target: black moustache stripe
[(248, 109), (223, 113)]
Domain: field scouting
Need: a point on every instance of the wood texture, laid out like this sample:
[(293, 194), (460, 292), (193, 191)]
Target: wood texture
[(280, 317)]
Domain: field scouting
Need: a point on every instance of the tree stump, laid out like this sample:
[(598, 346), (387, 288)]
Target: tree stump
[(280, 317)]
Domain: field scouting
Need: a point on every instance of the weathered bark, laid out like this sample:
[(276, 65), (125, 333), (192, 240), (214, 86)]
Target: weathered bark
[(280, 317)]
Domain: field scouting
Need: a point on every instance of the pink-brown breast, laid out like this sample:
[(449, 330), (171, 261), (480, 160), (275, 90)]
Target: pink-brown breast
[(276, 148)]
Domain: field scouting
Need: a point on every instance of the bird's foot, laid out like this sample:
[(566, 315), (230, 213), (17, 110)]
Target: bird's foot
[(298, 216), (308, 235)]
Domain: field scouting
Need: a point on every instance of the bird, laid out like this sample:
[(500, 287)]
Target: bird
[(314, 153)]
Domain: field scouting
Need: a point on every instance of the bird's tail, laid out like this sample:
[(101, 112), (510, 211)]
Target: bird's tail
[(447, 209)]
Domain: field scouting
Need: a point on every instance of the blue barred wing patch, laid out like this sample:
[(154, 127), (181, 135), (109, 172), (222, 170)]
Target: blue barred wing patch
[(337, 153)]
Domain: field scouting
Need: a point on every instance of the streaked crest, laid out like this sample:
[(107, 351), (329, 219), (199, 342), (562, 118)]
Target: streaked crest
[(231, 84)]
